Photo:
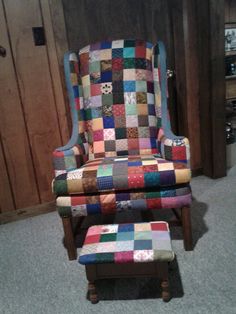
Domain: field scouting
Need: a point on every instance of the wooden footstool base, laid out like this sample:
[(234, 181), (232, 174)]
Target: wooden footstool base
[(110, 252)]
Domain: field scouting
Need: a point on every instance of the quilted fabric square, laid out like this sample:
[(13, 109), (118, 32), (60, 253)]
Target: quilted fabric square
[(127, 243)]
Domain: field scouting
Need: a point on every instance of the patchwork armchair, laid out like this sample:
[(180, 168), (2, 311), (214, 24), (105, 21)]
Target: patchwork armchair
[(122, 154)]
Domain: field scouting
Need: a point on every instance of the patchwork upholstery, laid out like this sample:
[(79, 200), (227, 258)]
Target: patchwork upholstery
[(122, 153), (122, 173), (127, 243), (112, 202)]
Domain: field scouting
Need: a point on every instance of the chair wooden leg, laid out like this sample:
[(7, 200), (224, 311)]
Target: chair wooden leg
[(69, 238), (165, 293), (92, 293), (187, 228)]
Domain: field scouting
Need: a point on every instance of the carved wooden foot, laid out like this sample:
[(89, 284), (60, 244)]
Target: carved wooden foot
[(165, 294), (92, 293)]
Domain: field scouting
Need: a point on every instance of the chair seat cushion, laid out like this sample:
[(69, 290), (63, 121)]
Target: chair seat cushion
[(127, 243), (121, 173)]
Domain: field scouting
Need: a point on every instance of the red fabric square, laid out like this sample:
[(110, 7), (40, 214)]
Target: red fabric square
[(178, 152), (108, 208), (84, 64), (124, 257), (58, 154), (95, 238), (140, 52), (153, 203), (95, 89), (118, 110), (117, 64), (78, 200), (98, 135), (77, 103), (159, 226), (136, 180), (150, 168), (133, 143)]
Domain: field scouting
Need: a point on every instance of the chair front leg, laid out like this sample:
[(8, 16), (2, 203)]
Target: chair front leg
[(187, 228), (69, 238)]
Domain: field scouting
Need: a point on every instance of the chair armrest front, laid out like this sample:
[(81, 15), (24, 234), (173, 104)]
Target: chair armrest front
[(174, 148), (70, 157)]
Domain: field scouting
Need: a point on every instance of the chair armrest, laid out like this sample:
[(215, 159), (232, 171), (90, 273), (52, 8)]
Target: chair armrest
[(174, 148), (70, 157)]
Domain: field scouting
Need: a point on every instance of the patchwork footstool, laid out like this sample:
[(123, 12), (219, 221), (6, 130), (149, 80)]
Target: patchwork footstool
[(127, 250)]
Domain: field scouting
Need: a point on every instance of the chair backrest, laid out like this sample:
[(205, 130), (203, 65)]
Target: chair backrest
[(116, 91)]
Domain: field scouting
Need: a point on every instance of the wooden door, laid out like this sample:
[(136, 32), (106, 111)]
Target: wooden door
[(33, 118)]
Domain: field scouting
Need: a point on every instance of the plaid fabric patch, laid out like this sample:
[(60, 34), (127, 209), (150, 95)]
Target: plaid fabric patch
[(127, 243), (112, 202), (121, 173)]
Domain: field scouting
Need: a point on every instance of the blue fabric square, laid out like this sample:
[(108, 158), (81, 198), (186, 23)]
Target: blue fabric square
[(153, 142), (134, 163), (105, 183), (151, 110), (93, 209), (126, 228), (125, 236), (76, 91), (129, 52), (142, 244), (87, 259), (122, 196), (168, 193), (106, 76), (108, 122), (151, 179), (105, 44), (149, 45), (117, 53), (167, 177), (129, 86)]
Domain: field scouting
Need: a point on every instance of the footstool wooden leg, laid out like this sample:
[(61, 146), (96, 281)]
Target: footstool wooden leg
[(92, 293), (165, 294), (69, 238)]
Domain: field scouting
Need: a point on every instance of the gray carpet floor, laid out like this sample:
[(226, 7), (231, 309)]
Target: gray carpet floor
[(36, 276)]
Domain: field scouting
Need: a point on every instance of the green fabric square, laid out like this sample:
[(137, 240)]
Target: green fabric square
[(141, 86), (107, 99), (143, 235), (153, 195), (86, 91), (70, 162), (158, 122), (88, 114), (125, 236), (129, 63), (60, 187), (80, 90), (130, 109), (129, 52), (163, 255), (94, 66), (104, 170), (151, 179), (104, 258), (129, 43), (120, 133), (108, 237)]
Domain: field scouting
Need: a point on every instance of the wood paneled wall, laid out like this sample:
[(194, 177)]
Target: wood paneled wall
[(33, 119)]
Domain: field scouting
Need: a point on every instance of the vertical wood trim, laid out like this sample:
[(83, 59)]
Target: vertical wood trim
[(218, 87), (6, 195), (192, 81), (15, 141), (55, 71)]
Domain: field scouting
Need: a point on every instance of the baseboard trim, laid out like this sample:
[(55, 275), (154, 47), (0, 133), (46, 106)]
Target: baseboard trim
[(27, 212)]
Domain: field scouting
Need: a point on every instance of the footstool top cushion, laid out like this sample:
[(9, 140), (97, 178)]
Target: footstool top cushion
[(127, 243)]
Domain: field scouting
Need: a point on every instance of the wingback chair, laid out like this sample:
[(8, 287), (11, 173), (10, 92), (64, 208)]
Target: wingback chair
[(122, 154)]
